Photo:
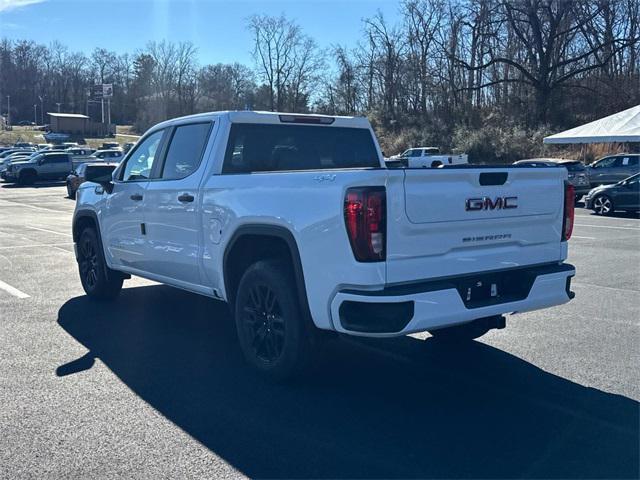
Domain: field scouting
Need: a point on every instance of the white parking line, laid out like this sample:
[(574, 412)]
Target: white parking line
[(584, 238), (39, 245), (607, 226), (12, 290), (592, 285), (50, 231), (18, 205)]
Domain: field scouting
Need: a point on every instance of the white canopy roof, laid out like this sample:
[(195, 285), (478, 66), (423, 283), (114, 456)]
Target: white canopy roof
[(620, 127)]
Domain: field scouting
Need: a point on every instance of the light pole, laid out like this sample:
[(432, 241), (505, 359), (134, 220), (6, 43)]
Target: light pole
[(58, 104), (35, 113), (41, 109), (8, 110)]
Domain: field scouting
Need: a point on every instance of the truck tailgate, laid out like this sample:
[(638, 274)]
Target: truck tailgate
[(445, 222)]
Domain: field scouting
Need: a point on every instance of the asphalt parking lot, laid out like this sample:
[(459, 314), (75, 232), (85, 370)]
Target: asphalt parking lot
[(154, 384)]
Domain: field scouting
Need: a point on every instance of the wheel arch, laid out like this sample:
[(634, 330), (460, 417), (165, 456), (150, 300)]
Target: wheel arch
[(83, 219), (275, 241)]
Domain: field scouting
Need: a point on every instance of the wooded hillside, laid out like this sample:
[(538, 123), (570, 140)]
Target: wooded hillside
[(487, 77)]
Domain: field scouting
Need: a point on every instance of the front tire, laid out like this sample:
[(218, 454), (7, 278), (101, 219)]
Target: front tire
[(71, 192), (98, 281), (273, 334), (603, 205)]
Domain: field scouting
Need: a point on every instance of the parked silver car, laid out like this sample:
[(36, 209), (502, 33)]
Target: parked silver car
[(578, 173)]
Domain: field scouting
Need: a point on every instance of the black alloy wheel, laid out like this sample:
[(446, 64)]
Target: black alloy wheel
[(88, 261), (274, 336), (98, 280), (263, 324)]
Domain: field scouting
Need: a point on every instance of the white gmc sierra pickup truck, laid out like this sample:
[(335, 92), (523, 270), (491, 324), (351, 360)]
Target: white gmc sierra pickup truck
[(296, 223)]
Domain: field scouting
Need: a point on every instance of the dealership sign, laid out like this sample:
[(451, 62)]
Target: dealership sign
[(103, 90)]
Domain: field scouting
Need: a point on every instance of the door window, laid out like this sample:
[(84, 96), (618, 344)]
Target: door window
[(138, 166), (608, 162), (185, 150)]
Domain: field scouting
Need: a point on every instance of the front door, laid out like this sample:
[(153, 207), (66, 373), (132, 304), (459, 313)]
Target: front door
[(628, 195), (123, 222), (172, 205), (604, 171), (48, 167)]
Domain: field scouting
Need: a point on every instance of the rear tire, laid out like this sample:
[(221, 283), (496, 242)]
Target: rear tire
[(71, 192), (461, 333), (273, 334), (603, 205), (98, 281)]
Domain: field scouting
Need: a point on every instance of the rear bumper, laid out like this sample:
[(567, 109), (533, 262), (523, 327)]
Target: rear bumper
[(416, 307)]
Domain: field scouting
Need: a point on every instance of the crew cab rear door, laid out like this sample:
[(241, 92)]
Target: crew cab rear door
[(454, 221), (173, 205)]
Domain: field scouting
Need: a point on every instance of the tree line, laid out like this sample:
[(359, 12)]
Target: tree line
[(489, 77)]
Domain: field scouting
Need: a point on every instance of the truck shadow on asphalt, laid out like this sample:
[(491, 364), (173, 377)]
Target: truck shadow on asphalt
[(374, 409)]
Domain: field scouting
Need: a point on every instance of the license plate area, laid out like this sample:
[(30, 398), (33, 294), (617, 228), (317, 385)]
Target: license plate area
[(495, 288)]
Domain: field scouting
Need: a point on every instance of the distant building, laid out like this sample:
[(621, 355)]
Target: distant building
[(72, 123)]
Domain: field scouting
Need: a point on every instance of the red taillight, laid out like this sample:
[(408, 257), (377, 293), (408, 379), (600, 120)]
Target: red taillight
[(366, 222), (569, 214)]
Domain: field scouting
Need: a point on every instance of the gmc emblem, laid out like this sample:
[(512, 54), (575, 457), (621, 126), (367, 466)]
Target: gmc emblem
[(486, 203)]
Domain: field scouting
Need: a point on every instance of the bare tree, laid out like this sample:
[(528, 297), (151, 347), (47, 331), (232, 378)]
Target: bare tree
[(555, 43), (275, 42)]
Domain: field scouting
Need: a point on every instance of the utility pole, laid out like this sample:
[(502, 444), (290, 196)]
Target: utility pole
[(8, 110), (35, 113), (102, 104), (41, 109)]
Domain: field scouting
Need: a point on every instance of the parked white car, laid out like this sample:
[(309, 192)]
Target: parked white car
[(111, 155), (81, 154), (427, 157), (294, 221)]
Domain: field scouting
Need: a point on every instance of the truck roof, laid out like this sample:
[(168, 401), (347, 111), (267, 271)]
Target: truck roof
[(270, 118)]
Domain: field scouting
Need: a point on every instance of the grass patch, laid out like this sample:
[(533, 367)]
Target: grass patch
[(27, 134)]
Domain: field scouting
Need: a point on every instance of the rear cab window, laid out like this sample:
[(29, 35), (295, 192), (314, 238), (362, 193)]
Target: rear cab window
[(185, 151), (272, 148)]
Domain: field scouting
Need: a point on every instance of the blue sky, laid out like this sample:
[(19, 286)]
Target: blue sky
[(216, 27)]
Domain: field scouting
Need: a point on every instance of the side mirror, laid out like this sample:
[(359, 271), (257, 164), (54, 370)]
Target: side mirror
[(41, 161), (101, 174)]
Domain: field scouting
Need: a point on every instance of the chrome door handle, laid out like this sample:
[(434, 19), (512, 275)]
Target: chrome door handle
[(136, 196)]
